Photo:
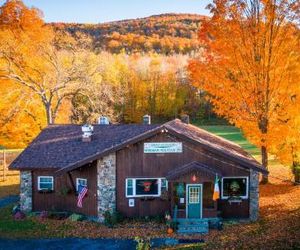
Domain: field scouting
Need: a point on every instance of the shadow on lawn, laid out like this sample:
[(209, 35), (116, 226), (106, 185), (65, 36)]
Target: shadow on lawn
[(8, 190)]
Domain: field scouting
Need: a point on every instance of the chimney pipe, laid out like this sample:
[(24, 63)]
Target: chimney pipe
[(185, 119), (103, 120), (87, 131), (147, 119)]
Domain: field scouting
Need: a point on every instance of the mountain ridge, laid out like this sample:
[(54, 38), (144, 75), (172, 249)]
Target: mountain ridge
[(168, 33)]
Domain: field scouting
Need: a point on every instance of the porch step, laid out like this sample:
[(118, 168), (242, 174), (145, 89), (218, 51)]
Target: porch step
[(189, 226)]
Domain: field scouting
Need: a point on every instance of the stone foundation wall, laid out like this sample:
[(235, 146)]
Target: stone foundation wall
[(26, 191), (254, 195), (106, 185)]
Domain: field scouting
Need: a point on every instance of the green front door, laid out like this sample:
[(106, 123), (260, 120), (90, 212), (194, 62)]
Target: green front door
[(194, 199)]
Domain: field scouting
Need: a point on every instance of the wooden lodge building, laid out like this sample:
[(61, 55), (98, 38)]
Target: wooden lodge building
[(139, 170)]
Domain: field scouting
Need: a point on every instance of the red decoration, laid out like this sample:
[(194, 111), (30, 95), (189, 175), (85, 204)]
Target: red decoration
[(147, 185), (194, 178)]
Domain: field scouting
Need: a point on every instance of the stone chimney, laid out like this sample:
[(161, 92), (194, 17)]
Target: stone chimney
[(185, 119), (87, 132), (147, 119)]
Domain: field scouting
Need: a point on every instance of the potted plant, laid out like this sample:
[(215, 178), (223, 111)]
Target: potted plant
[(169, 223)]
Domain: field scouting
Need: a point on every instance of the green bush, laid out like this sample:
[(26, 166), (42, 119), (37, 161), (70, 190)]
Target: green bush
[(112, 218), (142, 244)]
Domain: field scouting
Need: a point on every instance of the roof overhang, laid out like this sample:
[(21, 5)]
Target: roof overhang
[(191, 168), (165, 128)]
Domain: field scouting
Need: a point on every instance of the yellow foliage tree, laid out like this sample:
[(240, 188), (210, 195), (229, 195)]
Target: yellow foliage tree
[(249, 64)]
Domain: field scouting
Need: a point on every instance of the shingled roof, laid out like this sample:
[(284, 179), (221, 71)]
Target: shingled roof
[(61, 147)]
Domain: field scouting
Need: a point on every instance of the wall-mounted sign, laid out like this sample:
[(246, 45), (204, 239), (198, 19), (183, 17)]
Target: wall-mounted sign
[(131, 202), (162, 147)]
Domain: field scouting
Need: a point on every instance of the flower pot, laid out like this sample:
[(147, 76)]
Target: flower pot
[(170, 230)]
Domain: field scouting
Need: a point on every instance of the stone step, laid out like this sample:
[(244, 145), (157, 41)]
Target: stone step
[(192, 226), (193, 230), (193, 222)]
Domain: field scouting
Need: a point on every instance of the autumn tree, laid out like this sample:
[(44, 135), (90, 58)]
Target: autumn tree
[(249, 63), (31, 57), (285, 144)]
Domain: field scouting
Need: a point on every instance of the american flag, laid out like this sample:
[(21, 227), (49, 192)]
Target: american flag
[(81, 195)]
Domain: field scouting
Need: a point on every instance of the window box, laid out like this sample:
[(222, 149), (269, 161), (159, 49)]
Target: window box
[(45, 191), (234, 199)]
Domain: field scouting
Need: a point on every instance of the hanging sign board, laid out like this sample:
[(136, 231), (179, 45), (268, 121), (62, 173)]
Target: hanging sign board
[(162, 147)]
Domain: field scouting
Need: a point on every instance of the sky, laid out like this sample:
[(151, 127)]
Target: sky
[(98, 11)]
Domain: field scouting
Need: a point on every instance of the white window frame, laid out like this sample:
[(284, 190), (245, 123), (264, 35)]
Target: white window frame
[(77, 182), (236, 177), (143, 195), (39, 182)]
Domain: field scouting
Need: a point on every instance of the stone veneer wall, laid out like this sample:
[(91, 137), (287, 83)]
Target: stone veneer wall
[(26, 191), (254, 195), (106, 185)]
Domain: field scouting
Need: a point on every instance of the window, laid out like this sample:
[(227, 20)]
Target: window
[(140, 187), (45, 183), (235, 187), (129, 187), (80, 183), (194, 195), (164, 185)]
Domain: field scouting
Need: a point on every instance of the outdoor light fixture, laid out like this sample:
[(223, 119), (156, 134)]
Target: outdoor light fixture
[(194, 178)]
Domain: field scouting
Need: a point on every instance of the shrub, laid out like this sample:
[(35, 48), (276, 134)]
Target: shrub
[(112, 218), (142, 244)]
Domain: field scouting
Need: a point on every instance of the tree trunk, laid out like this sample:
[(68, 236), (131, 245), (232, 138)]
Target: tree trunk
[(49, 114), (264, 161), (296, 172)]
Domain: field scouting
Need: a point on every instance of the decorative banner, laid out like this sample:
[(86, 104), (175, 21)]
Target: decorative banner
[(162, 147), (180, 189)]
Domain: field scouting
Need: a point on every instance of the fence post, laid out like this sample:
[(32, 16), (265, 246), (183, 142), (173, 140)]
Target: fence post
[(4, 165)]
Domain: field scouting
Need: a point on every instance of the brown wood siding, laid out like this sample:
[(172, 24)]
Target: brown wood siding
[(59, 202), (133, 163), (234, 210)]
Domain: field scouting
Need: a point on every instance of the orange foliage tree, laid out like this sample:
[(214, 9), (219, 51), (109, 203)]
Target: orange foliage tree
[(249, 64), (41, 65)]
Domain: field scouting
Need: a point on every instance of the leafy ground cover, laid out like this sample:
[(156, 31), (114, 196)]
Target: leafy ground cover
[(277, 228)]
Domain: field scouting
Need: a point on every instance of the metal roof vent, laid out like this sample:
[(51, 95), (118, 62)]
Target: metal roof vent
[(147, 119), (185, 119), (87, 131), (103, 120)]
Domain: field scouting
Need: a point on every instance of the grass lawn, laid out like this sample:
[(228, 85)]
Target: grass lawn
[(11, 184), (277, 228), (235, 135)]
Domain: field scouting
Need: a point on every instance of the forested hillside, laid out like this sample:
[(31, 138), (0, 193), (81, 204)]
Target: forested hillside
[(166, 34), (74, 73)]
